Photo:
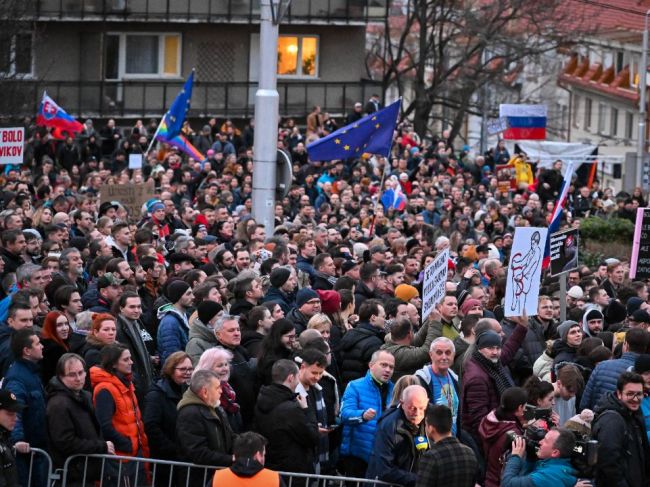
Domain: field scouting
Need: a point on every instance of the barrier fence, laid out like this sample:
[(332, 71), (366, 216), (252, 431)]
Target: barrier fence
[(117, 471)]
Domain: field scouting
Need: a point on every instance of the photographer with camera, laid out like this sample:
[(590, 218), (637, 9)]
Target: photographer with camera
[(553, 466), (623, 457)]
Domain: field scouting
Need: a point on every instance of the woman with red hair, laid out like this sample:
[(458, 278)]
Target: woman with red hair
[(102, 332), (55, 336)]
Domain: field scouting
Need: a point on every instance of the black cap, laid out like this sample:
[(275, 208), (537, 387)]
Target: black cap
[(105, 206), (9, 402)]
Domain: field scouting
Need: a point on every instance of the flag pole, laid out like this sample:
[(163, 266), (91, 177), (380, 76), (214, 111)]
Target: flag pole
[(381, 191), (153, 139)]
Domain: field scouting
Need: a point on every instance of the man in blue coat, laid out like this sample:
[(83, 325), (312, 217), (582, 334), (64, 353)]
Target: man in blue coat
[(363, 403), (173, 330)]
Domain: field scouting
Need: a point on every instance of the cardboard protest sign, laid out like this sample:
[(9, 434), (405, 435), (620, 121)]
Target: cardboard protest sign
[(433, 286), (524, 271), (640, 261), (130, 195), (12, 144), (564, 251)]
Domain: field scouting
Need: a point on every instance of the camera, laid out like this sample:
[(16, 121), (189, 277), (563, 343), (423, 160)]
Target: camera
[(532, 413), (584, 456), (532, 436)]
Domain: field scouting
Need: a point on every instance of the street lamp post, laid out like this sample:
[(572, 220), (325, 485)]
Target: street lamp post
[(643, 72)]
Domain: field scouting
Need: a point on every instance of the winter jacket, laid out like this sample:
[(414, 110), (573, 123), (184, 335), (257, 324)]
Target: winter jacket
[(276, 295), (112, 394), (534, 343), (12, 261), (73, 429), (201, 338), (91, 296), (52, 352), (323, 281), (251, 340), (409, 358), (563, 352), (9, 470), (461, 347), (543, 367), (394, 457), (425, 378), (361, 294), (623, 452), (241, 307), (24, 380), (448, 330), (359, 434), (292, 432), (493, 436), (553, 472), (357, 346), (130, 334), (305, 265), (203, 432), (160, 415), (246, 472), (298, 319), (6, 355), (585, 324), (604, 378), (480, 395), (448, 463), (243, 379), (173, 331)]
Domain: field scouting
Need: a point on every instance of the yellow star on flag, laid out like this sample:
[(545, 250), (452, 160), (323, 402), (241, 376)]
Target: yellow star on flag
[(346, 147), (374, 118), (337, 141), (377, 125)]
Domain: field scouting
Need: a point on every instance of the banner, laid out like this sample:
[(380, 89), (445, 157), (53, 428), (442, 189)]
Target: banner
[(12, 143), (433, 286), (130, 195), (564, 251), (524, 271), (640, 261)]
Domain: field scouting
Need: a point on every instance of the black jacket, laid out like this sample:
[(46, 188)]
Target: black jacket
[(8, 472), (623, 451), (361, 294), (323, 282), (160, 414), (131, 338), (298, 319), (251, 341), (356, 348), (203, 433), (73, 429), (292, 432), (12, 261), (243, 379)]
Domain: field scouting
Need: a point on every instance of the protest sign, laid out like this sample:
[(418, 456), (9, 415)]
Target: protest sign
[(433, 286), (506, 181), (564, 251), (12, 142), (640, 261), (135, 161), (497, 125), (522, 285), (130, 195)]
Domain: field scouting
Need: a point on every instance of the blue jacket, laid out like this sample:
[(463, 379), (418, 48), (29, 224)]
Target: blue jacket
[(173, 332), (359, 435), (603, 379), (645, 409), (285, 301), (553, 472), (305, 265), (24, 380)]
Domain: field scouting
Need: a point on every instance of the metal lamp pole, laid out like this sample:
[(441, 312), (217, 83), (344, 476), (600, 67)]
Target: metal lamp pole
[(643, 71)]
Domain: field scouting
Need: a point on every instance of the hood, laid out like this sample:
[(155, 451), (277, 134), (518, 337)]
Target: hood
[(246, 467), (99, 375), (199, 330), (90, 297), (272, 396), (561, 346), (5, 330), (191, 399), (55, 387), (586, 310), (250, 336), (170, 308), (492, 429), (610, 401), (425, 374)]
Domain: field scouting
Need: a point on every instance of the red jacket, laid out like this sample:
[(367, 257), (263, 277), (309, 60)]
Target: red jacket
[(480, 394), (493, 435)]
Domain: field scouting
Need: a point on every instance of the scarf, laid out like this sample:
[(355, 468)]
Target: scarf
[(228, 399), (495, 371)]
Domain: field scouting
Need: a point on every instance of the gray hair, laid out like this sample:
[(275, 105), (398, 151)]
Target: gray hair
[(25, 271), (412, 391), (375, 356), (443, 340), (64, 258), (223, 319), (182, 243), (202, 379)]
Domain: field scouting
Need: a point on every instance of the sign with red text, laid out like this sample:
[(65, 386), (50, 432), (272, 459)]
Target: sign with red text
[(12, 145)]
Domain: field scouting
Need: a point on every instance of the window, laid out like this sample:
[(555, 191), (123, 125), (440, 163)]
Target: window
[(602, 113), (16, 54), (142, 55), (588, 105), (576, 110), (298, 56), (613, 122), (620, 61), (629, 125)]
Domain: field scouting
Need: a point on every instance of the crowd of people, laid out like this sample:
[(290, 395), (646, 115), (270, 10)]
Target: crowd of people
[(189, 333)]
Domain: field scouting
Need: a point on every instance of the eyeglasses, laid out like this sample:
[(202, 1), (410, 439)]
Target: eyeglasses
[(185, 370), (313, 301), (633, 395)]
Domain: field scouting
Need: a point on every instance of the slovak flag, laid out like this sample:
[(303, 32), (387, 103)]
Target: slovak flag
[(525, 122), (52, 115), (394, 197), (556, 216)]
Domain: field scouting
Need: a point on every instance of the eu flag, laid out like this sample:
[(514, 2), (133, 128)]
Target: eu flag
[(175, 116), (372, 134)]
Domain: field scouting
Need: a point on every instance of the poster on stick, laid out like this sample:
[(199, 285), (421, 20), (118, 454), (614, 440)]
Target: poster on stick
[(524, 271), (433, 286), (12, 144), (564, 251), (130, 195), (640, 261)]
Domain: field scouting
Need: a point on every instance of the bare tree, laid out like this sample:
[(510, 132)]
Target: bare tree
[(449, 50)]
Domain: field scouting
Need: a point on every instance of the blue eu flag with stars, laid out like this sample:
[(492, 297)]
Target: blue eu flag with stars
[(175, 116), (372, 134)]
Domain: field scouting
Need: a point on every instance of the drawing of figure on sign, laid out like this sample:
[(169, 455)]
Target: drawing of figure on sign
[(522, 288)]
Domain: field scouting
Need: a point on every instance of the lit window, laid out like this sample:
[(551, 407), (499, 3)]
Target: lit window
[(142, 55), (298, 56), (16, 54)]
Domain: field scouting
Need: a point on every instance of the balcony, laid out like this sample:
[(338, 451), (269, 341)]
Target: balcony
[(347, 12), (139, 99)]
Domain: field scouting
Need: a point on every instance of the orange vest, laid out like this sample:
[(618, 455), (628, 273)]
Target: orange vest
[(126, 418), (263, 478)]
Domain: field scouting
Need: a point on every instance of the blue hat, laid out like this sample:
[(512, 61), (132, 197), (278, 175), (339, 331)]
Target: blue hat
[(155, 205), (304, 295)]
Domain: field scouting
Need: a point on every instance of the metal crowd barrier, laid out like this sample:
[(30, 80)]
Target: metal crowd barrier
[(117, 471), (34, 454)]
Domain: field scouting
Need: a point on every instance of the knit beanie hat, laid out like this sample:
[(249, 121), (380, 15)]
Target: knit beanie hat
[(615, 312), (176, 289), (581, 423), (563, 329), (469, 304), (208, 310), (330, 301), (633, 304), (594, 314), (642, 363), (279, 276), (487, 339), (575, 292), (304, 295), (406, 292)]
